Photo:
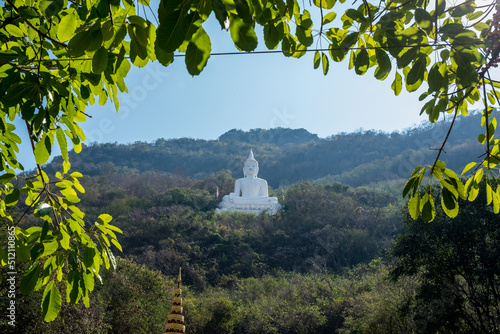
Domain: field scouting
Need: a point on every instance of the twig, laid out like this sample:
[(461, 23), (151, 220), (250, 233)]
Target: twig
[(487, 125), (369, 14), (39, 168), (111, 14), (441, 149), (29, 207)]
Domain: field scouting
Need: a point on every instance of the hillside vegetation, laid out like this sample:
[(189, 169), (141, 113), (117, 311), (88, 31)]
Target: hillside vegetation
[(288, 156)]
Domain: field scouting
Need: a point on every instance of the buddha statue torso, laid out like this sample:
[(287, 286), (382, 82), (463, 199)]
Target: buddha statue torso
[(250, 192)]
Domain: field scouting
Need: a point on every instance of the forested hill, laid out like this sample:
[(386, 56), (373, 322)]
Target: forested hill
[(286, 156)]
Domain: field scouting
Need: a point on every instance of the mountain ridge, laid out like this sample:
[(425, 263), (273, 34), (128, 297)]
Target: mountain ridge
[(287, 155)]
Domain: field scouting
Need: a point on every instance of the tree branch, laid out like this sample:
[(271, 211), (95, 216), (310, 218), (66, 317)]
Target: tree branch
[(39, 168), (441, 149)]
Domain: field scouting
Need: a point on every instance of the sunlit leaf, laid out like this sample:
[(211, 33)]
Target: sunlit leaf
[(243, 34), (51, 302), (198, 52), (397, 84)]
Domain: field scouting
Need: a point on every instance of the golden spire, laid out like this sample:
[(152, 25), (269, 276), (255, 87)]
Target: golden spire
[(175, 321)]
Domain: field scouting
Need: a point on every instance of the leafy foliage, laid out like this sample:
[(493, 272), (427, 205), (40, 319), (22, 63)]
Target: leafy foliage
[(458, 267), (134, 299)]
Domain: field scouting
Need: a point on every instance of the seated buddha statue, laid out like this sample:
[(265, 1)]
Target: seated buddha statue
[(250, 192)]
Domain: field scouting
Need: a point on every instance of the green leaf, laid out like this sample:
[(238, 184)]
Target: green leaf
[(105, 258), (449, 203), (79, 43), (466, 73), (304, 35), (273, 34), (73, 292), (468, 167), (50, 7), (489, 194), (243, 34), (324, 61), (474, 188), (14, 31), (361, 62), (317, 59), (117, 244), (64, 238), (113, 228), (30, 279), (451, 29), (479, 175), (96, 39), (288, 46), (198, 52), (435, 78), (327, 4), (138, 51), (496, 201), (5, 178), (8, 55), (414, 206), (88, 279), (329, 17), (406, 57), (384, 64), (43, 149), (349, 40), (104, 219), (67, 26), (63, 144), (423, 19), (50, 247), (427, 208), (355, 15), (463, 9), (51, 302), (220, 12), (417, 71), (12, 197), (173, 30), (397, 84), (88, 256), (100, 60), (19, 92), (22, 251)]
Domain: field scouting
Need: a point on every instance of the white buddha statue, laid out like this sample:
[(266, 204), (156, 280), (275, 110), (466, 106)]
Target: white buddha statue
[(250, 193)]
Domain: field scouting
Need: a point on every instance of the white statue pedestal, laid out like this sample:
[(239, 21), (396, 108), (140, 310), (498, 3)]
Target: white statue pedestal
[(250, 193), (256, 205)]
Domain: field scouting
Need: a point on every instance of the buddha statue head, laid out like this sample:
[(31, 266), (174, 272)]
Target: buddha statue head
[(251, 166)]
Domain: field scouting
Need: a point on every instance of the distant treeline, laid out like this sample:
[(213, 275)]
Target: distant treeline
[(287, 156)]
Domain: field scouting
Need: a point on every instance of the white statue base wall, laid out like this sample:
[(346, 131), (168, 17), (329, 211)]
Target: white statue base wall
[(267, 205)]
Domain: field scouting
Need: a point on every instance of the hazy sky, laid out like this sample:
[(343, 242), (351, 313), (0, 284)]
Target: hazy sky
[(246, 92)]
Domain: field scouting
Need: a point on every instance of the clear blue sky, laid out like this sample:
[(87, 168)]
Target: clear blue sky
[(245, 92), (249, 91)]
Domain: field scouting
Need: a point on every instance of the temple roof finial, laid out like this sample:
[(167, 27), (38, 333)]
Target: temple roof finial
[(175, 321)]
